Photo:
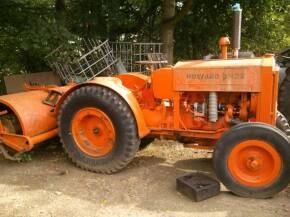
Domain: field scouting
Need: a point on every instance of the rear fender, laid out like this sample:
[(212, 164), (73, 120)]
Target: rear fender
[(114, 84)]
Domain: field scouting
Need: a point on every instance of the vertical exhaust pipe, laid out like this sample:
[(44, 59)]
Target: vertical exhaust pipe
[(236, 33)]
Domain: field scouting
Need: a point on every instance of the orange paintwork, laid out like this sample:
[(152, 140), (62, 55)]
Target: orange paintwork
[(16, 142), (137, 83), (116, 85), (93, 132), (254, 163), (38, 119), (35, 119), (162, 83), (267, 98), (133, 81), (240, 75), (224, 42), (243, 86), (195, 101), (170, 103), (22, 143)]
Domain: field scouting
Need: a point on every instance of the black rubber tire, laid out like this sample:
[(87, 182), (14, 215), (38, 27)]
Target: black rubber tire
[(244, 132), (282, 124), (284, 96), (127, 139), (145, 142)]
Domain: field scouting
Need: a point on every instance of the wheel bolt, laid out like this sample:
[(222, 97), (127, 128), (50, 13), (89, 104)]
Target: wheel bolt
[(96, 130), (253, 164)]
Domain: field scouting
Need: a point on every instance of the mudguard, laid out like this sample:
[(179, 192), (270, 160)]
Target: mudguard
[(114, 84)]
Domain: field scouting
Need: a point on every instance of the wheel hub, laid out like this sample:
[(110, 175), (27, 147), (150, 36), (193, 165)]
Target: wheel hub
[(254, 163), (93, 132), (96, 131)]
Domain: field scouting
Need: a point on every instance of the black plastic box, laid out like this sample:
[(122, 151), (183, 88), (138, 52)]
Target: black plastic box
[(197, 186)]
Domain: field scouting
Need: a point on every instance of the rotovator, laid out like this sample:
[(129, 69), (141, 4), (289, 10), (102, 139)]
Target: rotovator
[(228, 105)]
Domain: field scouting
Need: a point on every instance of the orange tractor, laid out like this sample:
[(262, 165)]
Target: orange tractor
[(228, 105)]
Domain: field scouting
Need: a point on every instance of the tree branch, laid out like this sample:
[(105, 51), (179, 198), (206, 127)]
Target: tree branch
[(138, 25), (180, 15)]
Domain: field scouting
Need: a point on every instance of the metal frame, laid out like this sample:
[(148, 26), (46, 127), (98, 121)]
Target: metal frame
[(83, 60), (93, 59), (132, 53)]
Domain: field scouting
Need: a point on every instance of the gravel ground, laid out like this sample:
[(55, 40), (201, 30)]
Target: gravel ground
[(49, 185)]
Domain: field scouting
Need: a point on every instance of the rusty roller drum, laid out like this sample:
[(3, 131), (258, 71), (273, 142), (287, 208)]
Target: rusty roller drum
[(25, 120)]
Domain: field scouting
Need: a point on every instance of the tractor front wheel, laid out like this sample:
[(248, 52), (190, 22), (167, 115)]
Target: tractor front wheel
[(253, 160), (98, 129)]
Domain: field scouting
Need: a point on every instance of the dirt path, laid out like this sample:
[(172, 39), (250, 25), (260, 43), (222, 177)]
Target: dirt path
[(50, 185)]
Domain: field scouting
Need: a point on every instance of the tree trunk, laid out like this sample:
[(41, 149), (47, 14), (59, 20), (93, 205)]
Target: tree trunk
[(167, 29), (169, 20), (60, 9)]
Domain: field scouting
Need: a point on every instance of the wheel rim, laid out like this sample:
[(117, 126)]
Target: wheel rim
[(254, 163), (93, 132)]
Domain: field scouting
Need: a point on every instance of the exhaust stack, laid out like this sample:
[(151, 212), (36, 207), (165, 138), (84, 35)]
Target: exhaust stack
[(236, 33)]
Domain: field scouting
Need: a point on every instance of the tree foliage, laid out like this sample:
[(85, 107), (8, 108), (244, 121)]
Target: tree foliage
[(30, 29), (263, 27)]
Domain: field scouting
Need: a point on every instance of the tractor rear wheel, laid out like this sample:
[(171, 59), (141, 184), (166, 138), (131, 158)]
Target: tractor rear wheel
[(253, 160), (98, 129)]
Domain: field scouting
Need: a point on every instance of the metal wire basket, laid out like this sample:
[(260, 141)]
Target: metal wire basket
[(83, 60), (131, 54)]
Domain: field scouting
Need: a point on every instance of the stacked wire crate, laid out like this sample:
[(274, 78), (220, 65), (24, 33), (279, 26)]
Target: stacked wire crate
[(83, 60)]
